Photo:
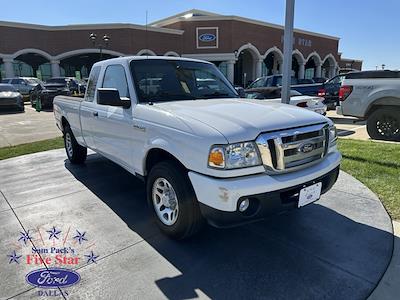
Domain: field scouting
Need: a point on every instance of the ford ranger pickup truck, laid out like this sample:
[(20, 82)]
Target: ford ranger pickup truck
[(373, 96), (203, 152)]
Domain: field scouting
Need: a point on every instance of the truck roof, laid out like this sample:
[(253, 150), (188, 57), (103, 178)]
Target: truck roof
[(373, 74), (145, 57)]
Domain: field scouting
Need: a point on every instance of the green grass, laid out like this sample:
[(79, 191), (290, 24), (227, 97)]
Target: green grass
[(377, 165), (12, 151)]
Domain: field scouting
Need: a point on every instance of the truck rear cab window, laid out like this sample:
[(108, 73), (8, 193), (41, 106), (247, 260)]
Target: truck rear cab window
[(92, 83), (115, 77)]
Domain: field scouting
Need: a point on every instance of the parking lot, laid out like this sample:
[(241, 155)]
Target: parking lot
[(337, 248), (30, 126)]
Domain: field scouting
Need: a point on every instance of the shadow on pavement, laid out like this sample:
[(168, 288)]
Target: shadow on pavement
[(344, 120), (310, 253)]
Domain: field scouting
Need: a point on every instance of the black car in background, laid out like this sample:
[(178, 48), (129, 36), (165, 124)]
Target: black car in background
[(330, 91), (46, 93), (10, 97), (74, 85), (308, 89)]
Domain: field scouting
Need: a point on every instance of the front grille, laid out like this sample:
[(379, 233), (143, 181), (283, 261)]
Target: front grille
[(293, 149)]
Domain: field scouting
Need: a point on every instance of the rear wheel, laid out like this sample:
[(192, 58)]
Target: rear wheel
[(173, 201), (384, 124), (75, 152)]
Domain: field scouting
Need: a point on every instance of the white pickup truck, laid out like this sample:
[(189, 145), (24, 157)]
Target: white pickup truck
[(203, 152), (373, 96)]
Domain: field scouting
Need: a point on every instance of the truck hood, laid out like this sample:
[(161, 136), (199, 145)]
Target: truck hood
[(241, 119)]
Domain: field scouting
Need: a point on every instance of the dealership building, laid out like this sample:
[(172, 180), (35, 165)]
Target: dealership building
[(242, 48)]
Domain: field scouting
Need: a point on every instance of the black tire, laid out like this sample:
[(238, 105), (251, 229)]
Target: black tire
[(75, 152), (189, 219), (384, 124)]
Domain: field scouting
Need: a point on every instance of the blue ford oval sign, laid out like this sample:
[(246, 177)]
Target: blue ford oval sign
[(207, 37), (52, 278)]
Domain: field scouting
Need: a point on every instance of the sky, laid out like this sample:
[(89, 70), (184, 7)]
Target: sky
[(368, 29)]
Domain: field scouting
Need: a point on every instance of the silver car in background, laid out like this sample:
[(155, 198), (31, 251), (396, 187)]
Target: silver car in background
[(10, 97)]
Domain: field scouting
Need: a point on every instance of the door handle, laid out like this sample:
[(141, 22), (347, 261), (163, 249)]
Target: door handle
[(95, 114)]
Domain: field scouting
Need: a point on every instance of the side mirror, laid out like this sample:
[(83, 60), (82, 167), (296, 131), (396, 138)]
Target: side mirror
[(109, 96), (241, 92)]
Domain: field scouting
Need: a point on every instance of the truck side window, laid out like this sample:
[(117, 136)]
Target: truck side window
[(115, 77), (91, 85)]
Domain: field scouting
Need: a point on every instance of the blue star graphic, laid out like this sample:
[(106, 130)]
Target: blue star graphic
[(24, 237), (91, 257), (14, 257), (53, 233), (80, 237)]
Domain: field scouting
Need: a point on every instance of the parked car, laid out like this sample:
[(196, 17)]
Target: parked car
[(24, 85), (373, 96), (313, 103), (46, 93), (10, 97), (276, 81), (320, 79), (203, 152), (330, 91), (73, 84)]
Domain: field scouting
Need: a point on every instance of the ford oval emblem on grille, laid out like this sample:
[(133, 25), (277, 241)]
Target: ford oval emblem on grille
[(305, 148), (207, 37), (52, 278)]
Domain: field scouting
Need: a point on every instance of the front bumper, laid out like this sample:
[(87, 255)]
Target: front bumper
[(218, 198)]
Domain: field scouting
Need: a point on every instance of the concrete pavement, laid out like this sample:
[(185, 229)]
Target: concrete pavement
[(337, 248), (30, 126), (349, 127), (389, 286)]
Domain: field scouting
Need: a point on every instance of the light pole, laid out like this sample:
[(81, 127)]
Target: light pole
[(287, 51), (106, 40)]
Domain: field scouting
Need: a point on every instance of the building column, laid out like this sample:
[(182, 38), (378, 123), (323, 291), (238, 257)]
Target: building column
[(55, 68), (258, 68), (8, 67), (280, 69), (230, 70), (332, 71), (318, 70), (302, 67)]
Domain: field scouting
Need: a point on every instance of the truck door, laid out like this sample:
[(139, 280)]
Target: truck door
[(113, 125), (88, 109)]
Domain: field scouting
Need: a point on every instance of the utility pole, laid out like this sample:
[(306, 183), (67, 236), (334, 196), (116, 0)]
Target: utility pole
[(287, 51)]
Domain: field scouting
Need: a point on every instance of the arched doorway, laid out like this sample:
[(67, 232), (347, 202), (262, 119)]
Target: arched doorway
[(244, 70), (272, 63), (312, 67), (32, 65), (329, 67), (79, 65)]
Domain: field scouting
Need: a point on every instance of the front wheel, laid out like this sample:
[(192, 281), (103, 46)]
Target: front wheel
[(384, 124), (75, 152), (173, 201)]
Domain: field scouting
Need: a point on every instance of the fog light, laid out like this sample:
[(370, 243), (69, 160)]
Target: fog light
[(244, 204)]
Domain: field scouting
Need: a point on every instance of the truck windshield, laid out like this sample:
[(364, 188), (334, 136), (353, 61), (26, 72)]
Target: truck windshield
[(159, 80)]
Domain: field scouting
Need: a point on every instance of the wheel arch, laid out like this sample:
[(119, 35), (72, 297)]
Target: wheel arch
[(156, 155), (383, 102)]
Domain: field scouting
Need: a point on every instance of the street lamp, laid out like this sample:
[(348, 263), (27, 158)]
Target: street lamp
[(101, 45)]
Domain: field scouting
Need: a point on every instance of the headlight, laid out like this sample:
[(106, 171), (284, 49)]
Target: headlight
[(332, 135), (234, 156)]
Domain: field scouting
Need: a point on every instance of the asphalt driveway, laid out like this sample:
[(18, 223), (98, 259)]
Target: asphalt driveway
[(337, 248)]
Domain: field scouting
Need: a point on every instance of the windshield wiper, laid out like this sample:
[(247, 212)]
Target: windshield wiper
[(216, 94), (165, 97)]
